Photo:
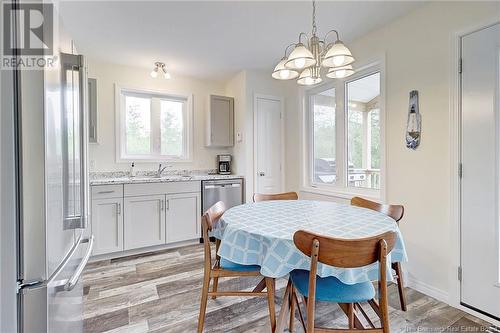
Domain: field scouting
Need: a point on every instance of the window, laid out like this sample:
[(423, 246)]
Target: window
[(323, 118), (152, 126), (345, 142), (363, 131)]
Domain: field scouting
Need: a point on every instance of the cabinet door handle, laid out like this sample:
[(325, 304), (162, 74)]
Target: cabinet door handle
[(168, 204), (105, 192), (161, 205), (119, 209)]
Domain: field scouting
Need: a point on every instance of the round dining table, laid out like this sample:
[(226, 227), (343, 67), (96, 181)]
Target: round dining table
[(261, 234)]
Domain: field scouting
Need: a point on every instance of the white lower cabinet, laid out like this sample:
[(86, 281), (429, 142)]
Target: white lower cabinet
[(135, 216), (144, 221), (183, 217), (107, 225)]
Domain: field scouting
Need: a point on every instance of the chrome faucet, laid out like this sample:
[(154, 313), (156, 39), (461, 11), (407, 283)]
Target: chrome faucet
[(160, 170)]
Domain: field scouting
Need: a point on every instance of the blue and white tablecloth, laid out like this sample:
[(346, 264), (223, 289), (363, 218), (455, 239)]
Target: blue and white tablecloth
[(262, 234)]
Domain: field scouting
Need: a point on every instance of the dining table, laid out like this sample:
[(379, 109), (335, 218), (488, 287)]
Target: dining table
[(261, 233)]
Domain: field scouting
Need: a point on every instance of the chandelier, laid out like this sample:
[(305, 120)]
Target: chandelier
[(307, 59)]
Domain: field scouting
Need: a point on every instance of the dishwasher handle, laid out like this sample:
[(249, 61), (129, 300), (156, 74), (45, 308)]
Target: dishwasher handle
[(209, 187)]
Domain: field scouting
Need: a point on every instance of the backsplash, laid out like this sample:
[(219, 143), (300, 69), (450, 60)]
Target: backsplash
[(119, 174)]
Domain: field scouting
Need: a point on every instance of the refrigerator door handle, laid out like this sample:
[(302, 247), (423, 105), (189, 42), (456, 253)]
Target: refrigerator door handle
[(84, 138), (72, 282), (23, 286), (77, 63)]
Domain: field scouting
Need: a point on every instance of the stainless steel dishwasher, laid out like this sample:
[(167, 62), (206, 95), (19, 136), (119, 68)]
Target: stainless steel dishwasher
[(229, 191)]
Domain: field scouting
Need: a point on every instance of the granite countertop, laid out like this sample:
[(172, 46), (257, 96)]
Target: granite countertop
[(111, 178)]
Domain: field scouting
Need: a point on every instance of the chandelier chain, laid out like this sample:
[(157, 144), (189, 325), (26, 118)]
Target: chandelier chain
[(314, 17)]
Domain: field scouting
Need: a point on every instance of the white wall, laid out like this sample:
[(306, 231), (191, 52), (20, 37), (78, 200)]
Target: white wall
[(236, 88), (103, 156), (244, 86), (419, 54)]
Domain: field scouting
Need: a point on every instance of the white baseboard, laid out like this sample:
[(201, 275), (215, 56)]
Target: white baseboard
[(479, 315), (428, 290), (127, 253), (443, 296)]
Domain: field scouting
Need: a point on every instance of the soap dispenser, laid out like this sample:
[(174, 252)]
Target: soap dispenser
[(132, 170)]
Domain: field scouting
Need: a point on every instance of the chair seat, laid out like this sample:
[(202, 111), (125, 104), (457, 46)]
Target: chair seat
[(331, 289), (232, 266)]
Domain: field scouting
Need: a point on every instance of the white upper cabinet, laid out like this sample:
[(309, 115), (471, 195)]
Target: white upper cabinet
[(220, 127)]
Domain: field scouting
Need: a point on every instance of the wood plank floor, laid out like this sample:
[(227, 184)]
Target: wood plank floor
[(159, 292)]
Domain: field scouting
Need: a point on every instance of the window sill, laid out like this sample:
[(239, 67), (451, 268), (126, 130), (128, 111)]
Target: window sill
[(343, 193)]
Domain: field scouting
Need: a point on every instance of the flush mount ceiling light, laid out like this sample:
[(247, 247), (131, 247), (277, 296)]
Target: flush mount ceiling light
[(160, 68), (306, 59)]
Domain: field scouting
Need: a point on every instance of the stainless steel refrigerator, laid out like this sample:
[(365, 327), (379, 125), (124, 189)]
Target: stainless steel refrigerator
[(53, 241)]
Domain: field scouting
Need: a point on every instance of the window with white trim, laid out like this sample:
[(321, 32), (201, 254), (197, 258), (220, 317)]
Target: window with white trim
[(152, 126), (344, 134)]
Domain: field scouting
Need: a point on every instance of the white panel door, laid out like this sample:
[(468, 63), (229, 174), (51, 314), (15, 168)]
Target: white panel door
[(183, 217), (480, 180), (144, 221), (268, 145), (107, 225)]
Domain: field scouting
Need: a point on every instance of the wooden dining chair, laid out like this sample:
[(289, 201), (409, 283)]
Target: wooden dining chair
[(396, 212), (225, 268), (278, 196), (342, 253)]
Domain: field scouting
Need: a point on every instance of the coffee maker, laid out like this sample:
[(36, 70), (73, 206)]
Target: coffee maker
[(224, 164)]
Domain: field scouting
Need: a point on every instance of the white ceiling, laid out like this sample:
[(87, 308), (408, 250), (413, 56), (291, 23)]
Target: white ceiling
[(213, 39)]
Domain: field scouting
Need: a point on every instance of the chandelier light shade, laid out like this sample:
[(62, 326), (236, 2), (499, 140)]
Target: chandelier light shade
[(337, 55), (340, 72), (282, 73), (308, 58), (160, 67), (307, 78), (300, 58)]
